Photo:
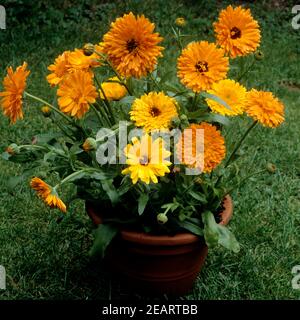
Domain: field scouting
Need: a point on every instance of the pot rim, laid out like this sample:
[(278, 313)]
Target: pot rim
[(166, 240), (179, 238)]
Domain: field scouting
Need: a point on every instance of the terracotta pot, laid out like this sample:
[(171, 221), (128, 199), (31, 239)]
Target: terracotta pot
[(158, 264)]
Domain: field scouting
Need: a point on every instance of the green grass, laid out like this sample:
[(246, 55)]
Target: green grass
[(47, 260)]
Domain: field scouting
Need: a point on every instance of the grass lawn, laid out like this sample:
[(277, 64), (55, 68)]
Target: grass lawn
[(47, 260)]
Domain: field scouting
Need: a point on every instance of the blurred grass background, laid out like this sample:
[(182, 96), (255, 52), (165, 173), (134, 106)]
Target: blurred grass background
[(46, 260)]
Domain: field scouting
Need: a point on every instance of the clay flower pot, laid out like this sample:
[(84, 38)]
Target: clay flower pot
[(158, 264)]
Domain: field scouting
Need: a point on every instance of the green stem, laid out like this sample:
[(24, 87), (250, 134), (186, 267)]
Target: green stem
[(49, 105), (179, 41), (194, 100), (74, 174), (102, 109), (237, 146), (235, 149), (114, 71), (154, 81), (241, 182), (97, 115), (57, 123), (32, 146), (246, 71), (110, 110), (108, 136)]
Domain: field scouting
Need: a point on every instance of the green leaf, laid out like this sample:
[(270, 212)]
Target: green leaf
[(218, 118), (127, 100), (192, 227), (78, 176), (12, 182), (76, 148), (215, 98), (218, 234), (142, 202), (227, 239), (211, 233), (47, 137), (103, 237), (99, 175), (5, 155), (111, 191), (211, 117), (198, 196)]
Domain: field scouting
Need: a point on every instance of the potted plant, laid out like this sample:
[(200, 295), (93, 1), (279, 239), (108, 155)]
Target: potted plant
[(147, 154)]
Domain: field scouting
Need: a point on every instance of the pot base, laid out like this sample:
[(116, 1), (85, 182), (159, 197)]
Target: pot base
[(159, 270)]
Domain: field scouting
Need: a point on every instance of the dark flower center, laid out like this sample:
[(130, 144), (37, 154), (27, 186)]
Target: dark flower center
[(201, 66), (144, 160), (235, 33), (155, 112), (131, 45)]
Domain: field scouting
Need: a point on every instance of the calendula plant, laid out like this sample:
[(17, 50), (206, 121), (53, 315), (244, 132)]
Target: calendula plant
[(172, 171)]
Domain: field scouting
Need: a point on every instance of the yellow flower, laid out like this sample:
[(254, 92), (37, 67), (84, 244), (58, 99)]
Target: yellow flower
[(47, 194), (237, 32), (153, 111), (146, 159), (191, 153), (59, 69), (230, 92), (113, 90), (131, 45), (265, 108), (12, 97), (76, 93), (201, 64), (180, 22)]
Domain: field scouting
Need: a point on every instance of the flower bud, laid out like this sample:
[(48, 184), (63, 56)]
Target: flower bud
[(13, 149), (180, 22), (183, 117), (258, 55), (46, 111), (271, 167), (88, 49), (175, 122), (184, 121), (198, 180), (90, 144), (162, 218)]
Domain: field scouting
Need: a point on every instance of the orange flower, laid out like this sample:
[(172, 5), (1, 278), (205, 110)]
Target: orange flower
[(48, 194), (76, 93), (237, 32), (77, 60), (131, 45), (12, 97), (201, 64), (59, 69), (265, 108), (191, 153)]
